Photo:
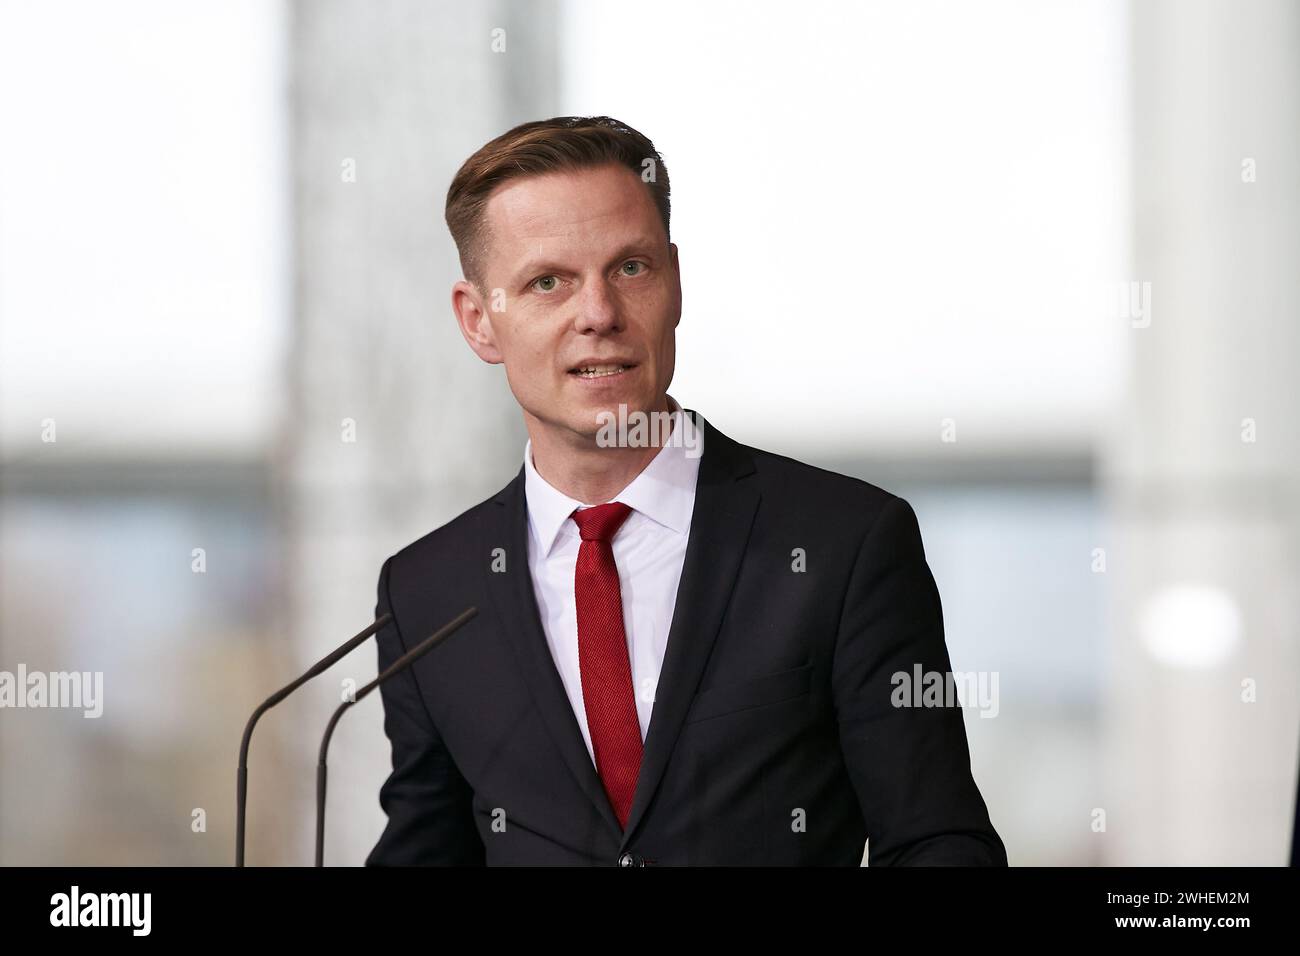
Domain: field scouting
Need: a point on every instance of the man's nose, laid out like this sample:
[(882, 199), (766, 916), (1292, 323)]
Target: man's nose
[(598, 309)]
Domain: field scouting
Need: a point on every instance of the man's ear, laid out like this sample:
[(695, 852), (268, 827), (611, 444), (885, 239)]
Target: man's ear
[(475, 322), (677, 283)]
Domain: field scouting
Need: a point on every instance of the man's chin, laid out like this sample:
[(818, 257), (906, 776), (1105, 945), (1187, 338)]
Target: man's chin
[(588, 421), (590, 417)]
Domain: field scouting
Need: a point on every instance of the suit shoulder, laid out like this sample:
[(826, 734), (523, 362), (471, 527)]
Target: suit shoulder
[(818, 488), (803, 478), (839, 504), (448, 542)]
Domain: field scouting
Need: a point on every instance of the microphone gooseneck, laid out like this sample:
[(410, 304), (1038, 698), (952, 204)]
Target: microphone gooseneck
[(241, 779), (403, 662)]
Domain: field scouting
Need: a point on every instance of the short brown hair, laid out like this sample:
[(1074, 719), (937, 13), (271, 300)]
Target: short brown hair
[(543, 146)]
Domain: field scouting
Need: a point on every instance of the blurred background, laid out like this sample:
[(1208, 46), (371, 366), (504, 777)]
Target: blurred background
[(1031, 265)]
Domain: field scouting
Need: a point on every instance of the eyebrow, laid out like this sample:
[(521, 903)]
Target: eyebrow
[(537, 266)]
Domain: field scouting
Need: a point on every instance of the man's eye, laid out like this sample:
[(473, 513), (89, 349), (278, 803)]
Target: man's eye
[(545, 284), (639, 267)]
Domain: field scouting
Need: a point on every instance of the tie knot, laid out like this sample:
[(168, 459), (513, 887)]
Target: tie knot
[(601, 522)]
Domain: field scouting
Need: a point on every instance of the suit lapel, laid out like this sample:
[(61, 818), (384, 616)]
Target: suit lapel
[(511, 593), (720, 526)]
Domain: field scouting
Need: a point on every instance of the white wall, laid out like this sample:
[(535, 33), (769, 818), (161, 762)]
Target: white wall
[(888, 213)]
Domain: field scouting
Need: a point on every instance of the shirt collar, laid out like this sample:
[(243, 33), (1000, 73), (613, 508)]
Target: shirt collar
[(664, 491)]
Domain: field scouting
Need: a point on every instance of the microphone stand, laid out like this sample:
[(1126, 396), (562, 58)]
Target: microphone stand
[(241, 782), (403, 662)]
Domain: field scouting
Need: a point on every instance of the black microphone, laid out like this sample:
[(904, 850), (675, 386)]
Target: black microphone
[(403, 662), (241, 783)]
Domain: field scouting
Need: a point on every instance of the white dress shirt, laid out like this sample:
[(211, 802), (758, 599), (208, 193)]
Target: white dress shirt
[(649, 550)]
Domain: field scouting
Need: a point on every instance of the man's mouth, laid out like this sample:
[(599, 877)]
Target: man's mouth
[(599, 371)]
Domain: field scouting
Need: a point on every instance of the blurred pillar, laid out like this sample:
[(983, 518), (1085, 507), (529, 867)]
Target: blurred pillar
[(1203, 472), (397, 427)]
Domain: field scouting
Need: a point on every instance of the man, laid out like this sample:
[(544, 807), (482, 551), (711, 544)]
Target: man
[(680, 657)]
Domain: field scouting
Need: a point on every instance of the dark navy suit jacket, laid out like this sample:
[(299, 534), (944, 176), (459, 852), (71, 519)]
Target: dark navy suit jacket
[(773, 738)]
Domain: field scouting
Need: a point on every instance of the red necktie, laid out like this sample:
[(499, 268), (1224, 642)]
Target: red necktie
[(603, 656)]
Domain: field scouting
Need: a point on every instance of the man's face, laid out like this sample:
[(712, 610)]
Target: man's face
[(586, 277)]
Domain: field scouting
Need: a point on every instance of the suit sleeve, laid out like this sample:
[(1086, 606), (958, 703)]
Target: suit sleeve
[(428, 802), (910, 766)]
